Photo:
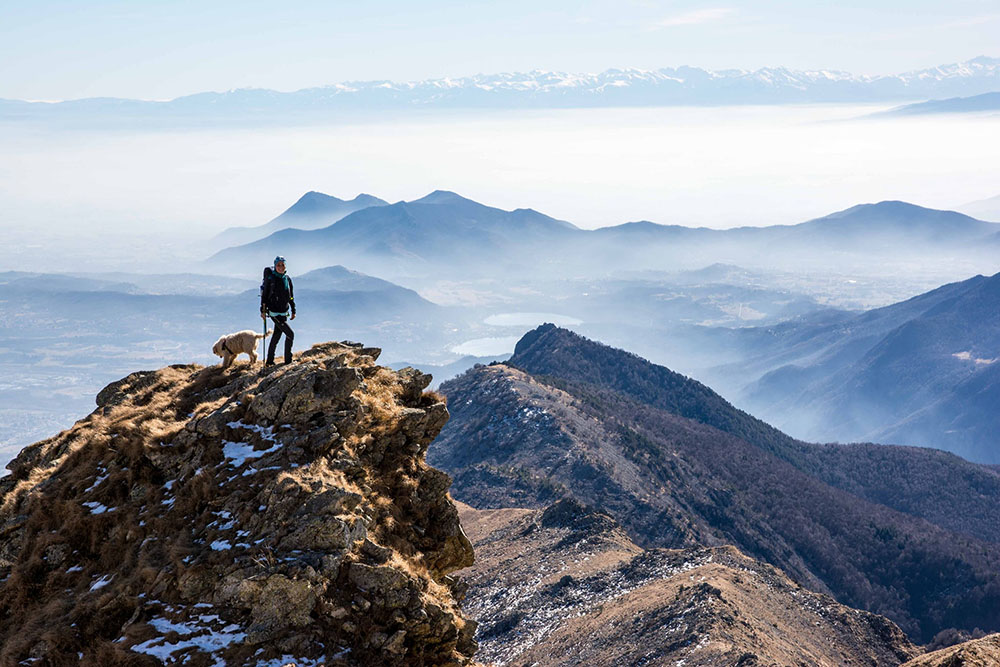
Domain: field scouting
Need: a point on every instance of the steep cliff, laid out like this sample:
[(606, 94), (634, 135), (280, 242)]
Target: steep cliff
[(238, 517)]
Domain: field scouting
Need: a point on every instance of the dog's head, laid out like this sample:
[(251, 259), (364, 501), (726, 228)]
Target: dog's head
[(217, 348)]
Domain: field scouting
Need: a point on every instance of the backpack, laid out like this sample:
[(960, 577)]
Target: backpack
[(263, 283), (269, 275)]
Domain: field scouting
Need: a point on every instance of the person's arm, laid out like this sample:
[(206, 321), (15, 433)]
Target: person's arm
[(291, 297)]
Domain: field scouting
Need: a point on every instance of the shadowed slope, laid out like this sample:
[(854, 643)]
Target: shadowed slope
[(679, 466)]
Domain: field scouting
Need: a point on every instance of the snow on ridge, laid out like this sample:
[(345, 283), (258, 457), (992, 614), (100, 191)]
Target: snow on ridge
[(202, 634), (102, 582), (239, 453), (265, 432), (97, 508), (778, 84), (102, 474)]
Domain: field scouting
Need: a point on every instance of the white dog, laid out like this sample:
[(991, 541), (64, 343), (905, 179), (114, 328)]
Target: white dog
[(242, 342)]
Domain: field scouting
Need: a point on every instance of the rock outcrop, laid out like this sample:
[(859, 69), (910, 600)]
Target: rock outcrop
[(546, 579), (984, 652), (246, 516)]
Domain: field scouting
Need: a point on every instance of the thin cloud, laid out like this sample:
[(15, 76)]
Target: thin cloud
[(696, 17)]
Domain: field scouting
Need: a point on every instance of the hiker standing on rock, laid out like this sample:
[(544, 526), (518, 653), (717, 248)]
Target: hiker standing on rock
[(277, 299)]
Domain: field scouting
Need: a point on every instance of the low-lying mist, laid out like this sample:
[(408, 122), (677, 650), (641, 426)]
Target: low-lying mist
[(75, 199)]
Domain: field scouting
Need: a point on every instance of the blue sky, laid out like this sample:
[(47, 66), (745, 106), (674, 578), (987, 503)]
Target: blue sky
[(62, 49)]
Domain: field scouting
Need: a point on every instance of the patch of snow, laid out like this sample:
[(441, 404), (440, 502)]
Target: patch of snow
[(97, 508), (102, 582), (301, 662), (265, 432), (254, 471), (221, 545), (199, 635), (75, 568), (97, 482), (241, 452)]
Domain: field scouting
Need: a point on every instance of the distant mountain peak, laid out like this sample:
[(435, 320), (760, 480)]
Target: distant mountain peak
[(441, 197), (533, 336), (985, 60), (312, 210), (900, 213), (311, 200), (314, 197)]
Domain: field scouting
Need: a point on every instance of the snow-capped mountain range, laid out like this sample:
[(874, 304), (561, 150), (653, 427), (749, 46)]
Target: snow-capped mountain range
[(544, 89)]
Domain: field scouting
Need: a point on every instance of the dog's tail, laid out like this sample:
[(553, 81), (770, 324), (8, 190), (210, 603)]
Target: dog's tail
[(263, 335)]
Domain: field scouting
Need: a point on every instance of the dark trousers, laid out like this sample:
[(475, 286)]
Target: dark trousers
[(281, 327)]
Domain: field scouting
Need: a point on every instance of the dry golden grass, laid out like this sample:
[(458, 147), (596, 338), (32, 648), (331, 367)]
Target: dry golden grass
[(381, 400), (122, 447), (430, 396)]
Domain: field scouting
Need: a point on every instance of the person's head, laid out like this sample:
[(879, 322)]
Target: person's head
[(279, 264)]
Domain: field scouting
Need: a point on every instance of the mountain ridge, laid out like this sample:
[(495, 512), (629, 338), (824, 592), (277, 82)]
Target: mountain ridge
[(310, 211), (442, 228), (541, 89), (544, 578), (910, 372), (986, 102), (435, 227), (644, 445)]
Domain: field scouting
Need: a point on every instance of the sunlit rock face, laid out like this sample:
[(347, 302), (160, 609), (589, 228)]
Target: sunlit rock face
[(244, 516)]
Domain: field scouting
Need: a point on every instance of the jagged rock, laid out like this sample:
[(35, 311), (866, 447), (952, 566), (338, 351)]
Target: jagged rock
[(414, 382), (377, 553), (392, 588), (984, 652), (238, 517), (119, 391), (284, 601)]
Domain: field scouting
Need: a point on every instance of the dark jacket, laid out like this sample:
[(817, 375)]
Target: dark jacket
[(276, 293)]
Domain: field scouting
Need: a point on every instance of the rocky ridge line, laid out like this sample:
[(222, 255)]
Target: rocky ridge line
[(546, 578), (984, 652)]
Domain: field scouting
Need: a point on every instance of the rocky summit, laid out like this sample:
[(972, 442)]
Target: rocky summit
[(238, 517)]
